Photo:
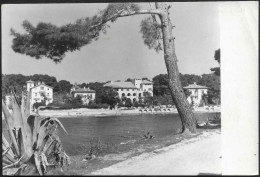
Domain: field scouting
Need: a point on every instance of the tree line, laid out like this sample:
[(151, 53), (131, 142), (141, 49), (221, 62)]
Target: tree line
[(61, 89), (17, 83), (212, 81)]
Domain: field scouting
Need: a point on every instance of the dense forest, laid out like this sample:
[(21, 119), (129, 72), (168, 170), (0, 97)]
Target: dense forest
[(17, 82)]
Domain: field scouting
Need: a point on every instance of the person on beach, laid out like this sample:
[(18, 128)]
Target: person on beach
[(148, 136)]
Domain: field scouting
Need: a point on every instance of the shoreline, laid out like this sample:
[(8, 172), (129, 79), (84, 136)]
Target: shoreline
[(155, 157), (105, 112), (159, 161)]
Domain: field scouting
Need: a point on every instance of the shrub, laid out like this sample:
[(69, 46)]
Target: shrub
[(97, 148), (36, 105), (136, 104), (97, 106), (128, 102), (76, 106), (120, 104)]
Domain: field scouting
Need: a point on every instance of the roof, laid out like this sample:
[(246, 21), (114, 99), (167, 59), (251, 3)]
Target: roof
[(195, 86), (84, 90), (30, 81), (146, 82), (120, 85), (41, 85)]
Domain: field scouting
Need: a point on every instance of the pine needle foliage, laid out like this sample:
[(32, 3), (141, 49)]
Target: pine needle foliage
[(50, 41), (151, 34)]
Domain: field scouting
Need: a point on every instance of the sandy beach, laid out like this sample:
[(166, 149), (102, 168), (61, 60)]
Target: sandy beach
[(108, 112), (195, 156)]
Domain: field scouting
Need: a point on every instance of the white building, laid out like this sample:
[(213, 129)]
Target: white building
[(196, 93), (133, 90), (40, 92), (86, 93)]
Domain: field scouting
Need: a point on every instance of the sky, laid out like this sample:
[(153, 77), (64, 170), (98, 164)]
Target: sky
[(121, 53)]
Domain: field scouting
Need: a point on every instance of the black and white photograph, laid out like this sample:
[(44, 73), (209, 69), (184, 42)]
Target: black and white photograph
[(130, 88)]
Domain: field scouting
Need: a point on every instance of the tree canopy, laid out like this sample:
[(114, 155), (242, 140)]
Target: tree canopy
[(17, 82), (216, 70), (50, 41), (64, 86), (161, 89)]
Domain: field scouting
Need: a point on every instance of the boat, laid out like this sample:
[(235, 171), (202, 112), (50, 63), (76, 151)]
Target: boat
[(207, 125)]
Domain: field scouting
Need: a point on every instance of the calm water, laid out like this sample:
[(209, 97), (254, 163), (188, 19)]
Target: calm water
[(118, 129)]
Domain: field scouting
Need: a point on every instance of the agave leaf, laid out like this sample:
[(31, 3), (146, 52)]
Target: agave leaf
[(51, 147), (8, 116), (4, 141), (47, 144), (27, 104), (37, 163), (6, 151), (67, 158), (44, 162), (17, 117), (44, 158), (27, 129), (38, 121), (4, 164), (10, 158), (46, 138), (13, 164), (6, 160), (50, 129), (6, 144), (36, 127), (10, 125), (11, 171), (60, 124), (41, 134), (17, 114)]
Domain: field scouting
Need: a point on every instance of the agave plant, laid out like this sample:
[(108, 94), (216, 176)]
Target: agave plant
[(34, 144)]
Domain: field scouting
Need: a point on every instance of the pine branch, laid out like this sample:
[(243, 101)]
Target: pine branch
[(125, 13)]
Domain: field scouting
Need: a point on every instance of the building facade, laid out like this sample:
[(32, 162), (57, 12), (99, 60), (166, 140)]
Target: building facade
[(134, 90), (86, 94), (197, 92), (40, 92)]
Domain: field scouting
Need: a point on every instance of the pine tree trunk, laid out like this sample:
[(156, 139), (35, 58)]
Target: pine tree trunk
[(179, 98)]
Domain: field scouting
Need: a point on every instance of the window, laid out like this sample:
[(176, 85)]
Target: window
[(134, 94), (128, 94), (48, 94), (123, 94), (127, 89), (42, 88), (35, 94), (140, 95)]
